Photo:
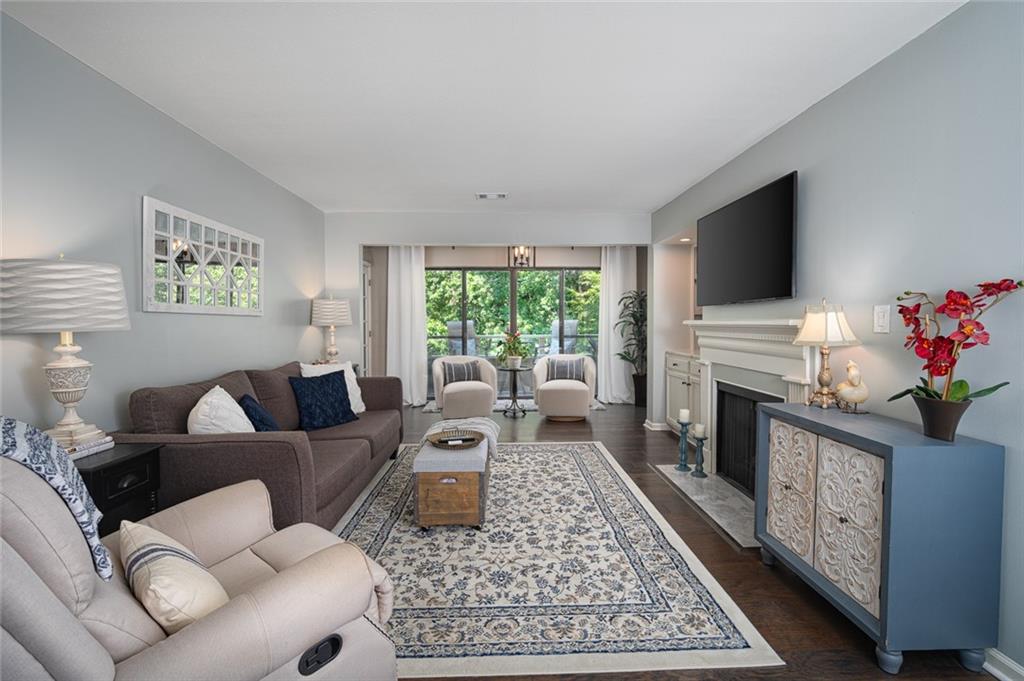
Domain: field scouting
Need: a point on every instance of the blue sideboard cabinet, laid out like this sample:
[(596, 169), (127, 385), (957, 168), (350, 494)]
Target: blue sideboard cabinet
[(901, 532)]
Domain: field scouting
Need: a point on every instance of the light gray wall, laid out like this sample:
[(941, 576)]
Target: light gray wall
[(79, 152), (911, 177)]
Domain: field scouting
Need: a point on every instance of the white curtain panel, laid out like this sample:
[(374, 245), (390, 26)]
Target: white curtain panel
[(618, 275), (407, 321)]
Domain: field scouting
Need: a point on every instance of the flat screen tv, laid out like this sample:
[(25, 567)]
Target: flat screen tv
[(746, 251)]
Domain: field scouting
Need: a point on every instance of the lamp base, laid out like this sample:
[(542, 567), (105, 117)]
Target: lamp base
[(76, 436), (69, 379), (824, 398)]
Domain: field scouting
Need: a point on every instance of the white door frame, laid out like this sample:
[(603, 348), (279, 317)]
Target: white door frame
[(367, 286)]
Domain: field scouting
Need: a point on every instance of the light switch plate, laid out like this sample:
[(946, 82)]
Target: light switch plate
[(881, 318)]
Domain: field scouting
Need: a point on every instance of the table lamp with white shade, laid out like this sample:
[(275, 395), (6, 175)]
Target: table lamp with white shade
[(63, 296), (825, 326), (331, 313)]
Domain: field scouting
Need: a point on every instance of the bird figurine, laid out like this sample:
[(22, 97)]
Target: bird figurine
[(853, 391)]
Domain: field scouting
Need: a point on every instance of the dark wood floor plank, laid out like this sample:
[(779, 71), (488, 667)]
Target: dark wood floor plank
[(817, 643)]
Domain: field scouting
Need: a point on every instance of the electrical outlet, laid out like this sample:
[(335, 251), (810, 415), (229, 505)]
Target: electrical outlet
[(881, 318)]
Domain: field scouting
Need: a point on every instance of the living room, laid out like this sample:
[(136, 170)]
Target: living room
[(465, 340)]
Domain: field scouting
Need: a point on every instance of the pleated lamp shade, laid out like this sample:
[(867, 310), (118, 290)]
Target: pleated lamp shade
[(825, 325), (330, 312), (41, 296)]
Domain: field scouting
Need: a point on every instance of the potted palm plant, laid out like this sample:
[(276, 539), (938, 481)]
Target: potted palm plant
[(632, 325), (942, 404)]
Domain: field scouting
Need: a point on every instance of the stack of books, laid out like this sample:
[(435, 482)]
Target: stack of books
[(92, 447)]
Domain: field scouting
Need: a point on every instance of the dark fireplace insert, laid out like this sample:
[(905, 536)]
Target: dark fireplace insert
[(736, 434)]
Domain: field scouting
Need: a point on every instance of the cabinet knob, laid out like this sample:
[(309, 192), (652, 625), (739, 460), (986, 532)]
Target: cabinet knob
[(843, 519), (787, 487)]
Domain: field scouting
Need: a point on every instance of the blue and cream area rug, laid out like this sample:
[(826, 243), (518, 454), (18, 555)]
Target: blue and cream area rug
[(573, 571)]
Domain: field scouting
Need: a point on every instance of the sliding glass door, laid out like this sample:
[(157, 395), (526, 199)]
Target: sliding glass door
[(468, 311)]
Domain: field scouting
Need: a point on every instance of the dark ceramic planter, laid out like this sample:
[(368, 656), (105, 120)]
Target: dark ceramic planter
[(640, 390), (940, 418)]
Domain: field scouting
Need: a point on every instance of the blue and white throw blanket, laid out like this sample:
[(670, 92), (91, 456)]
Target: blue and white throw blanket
[(36, 451)]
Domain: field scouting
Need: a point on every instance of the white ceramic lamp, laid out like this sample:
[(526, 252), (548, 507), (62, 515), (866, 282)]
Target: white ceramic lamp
[(825, 326), (64, 296), (331, 313)]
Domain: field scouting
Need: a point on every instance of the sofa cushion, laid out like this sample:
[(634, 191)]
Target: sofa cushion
[(323, 401), (261, 419), (275, 394), (336, 463), (379, 428), (217, 412), (166, 410)]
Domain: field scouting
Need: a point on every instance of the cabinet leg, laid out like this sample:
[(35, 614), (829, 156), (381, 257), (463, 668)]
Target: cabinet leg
[(972, 659), (767, 558), (889, 661)]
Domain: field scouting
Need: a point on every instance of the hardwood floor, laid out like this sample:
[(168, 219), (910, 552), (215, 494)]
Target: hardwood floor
[(816, 642)]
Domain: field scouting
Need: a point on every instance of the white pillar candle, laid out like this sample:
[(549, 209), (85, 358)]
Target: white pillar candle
[(698, 430), (684, 415)]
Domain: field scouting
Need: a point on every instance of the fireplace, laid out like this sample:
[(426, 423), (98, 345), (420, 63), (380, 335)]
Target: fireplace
[(736, 430)]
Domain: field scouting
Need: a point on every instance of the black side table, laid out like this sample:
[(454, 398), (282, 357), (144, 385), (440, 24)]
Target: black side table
[(514, 406), (123, 481)]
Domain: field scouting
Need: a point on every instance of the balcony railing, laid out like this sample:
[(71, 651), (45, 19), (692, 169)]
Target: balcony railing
[(485, 347)]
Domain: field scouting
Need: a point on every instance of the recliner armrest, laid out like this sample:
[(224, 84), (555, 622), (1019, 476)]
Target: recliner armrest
[(259, 630)]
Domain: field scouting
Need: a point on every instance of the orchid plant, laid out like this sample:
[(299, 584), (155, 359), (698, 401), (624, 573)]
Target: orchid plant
[(940, 351), (512, 345)]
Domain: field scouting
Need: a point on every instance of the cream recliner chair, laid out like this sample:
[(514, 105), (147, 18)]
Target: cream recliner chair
[(290, 591), (562, 399), (464, 399)]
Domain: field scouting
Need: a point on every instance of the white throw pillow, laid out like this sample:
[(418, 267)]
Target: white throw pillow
[(217, 412), (355, 395), (170, 582)]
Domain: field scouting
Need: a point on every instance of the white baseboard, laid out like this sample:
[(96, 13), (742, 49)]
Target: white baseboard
[(1002, 667), (651, 425)]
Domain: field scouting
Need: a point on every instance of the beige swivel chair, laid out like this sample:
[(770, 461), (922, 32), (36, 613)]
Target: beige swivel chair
[(563, 399), (289, 592), (464, 399)]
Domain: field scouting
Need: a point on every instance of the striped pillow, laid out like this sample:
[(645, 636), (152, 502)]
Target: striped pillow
[(169, 580), (566, 369), (455, 372)]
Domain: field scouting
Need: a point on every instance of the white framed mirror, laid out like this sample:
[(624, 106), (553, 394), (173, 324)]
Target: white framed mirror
[(193, 264)]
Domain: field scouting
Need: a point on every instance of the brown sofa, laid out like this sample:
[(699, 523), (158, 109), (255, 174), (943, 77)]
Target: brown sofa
[(311, 476)]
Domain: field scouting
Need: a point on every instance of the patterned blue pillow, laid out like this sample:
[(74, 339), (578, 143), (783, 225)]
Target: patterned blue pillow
[(566, 369), (323, 400), (261, 419)]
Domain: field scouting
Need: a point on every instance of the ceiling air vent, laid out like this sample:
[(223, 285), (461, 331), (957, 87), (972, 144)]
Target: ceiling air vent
[(492, 196)]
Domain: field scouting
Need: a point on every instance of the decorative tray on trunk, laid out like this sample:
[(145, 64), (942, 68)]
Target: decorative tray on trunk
[(456, 439)]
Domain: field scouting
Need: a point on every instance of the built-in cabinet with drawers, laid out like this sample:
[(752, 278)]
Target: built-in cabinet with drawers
[(682, 388), (902, 533)]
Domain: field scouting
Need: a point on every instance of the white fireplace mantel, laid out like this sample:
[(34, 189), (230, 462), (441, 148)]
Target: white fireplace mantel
[(763, 345)]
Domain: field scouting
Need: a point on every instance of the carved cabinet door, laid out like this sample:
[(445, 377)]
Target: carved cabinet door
[(848, 535), (792, 463)]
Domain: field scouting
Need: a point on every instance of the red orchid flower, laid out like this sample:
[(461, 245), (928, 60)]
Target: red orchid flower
[(957, 305), (970, 332), (910, 314), (992, 289), (940, 365)]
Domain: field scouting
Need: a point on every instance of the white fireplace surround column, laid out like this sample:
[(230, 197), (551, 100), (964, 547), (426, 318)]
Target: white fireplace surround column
[(764, 346)]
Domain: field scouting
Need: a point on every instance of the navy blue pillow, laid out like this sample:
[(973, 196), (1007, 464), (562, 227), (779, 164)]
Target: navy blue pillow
[(323, 400), (258, 415)]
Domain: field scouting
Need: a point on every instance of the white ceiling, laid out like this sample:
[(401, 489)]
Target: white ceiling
[(566, 106)]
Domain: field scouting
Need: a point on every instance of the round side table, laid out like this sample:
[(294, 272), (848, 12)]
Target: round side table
[(515, 409)]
